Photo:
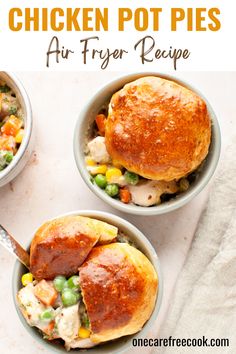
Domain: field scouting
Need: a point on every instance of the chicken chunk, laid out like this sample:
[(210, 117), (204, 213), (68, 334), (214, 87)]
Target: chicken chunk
[(8, 105), (81, 343), (149, 192), (98, 150), (30, 306), (68, 323)]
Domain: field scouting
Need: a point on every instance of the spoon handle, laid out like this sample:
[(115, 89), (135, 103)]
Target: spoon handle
[(7, 241)]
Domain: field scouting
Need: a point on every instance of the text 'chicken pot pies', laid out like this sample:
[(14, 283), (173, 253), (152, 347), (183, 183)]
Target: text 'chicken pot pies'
[(107, 292), (148, 144)]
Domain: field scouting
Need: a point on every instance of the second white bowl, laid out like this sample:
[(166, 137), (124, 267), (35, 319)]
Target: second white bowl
[(20, 159), (120, 345), (87, 117)]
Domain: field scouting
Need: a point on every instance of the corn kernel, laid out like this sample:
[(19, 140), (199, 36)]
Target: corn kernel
[(27, 278), (117, 164), (84, 333), (113, 173), (89, 161), (94, 170), (19, 136)]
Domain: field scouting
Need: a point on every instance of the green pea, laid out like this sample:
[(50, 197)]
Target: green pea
[(59, 283), (131, 177), (101, 181), (65, 286), (112, 189), (8, 157), (69, 297), (73, 282), (85, 320), (4, 88), (12, 110), (47, 315)]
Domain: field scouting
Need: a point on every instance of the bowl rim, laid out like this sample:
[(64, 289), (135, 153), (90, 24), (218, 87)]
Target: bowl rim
[(130, 208), (106, 216), (28, 131)]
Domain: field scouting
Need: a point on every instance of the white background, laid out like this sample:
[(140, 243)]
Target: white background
[(209, 50), (51, 185)]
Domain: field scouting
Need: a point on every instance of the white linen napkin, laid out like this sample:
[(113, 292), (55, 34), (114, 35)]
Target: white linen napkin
[(204, 300)]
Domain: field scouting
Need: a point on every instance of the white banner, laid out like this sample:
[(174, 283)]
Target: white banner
[(121, 35)]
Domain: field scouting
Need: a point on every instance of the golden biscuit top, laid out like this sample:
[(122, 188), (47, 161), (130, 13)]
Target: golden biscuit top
[(119, 287), (158, 129)]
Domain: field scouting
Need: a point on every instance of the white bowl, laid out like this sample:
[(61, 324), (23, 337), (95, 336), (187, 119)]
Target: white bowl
[(86, 118), (122, 344), (20, 159)]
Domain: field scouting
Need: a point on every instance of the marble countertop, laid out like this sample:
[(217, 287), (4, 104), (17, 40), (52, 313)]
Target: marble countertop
[(51, 185)]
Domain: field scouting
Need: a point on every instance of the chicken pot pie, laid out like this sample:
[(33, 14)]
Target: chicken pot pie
[(150, 143), (106, 292)]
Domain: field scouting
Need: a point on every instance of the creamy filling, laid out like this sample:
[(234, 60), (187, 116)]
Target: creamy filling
[(44, 305), (57, 321), (143, 193)]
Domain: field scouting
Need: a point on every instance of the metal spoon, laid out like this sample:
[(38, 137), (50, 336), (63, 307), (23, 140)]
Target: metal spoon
[(7, 241)]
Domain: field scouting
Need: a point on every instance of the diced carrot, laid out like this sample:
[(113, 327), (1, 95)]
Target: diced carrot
[(7, 143), (49, 331), (125, 195), (100, 121), (45, 292), (12, 126)]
